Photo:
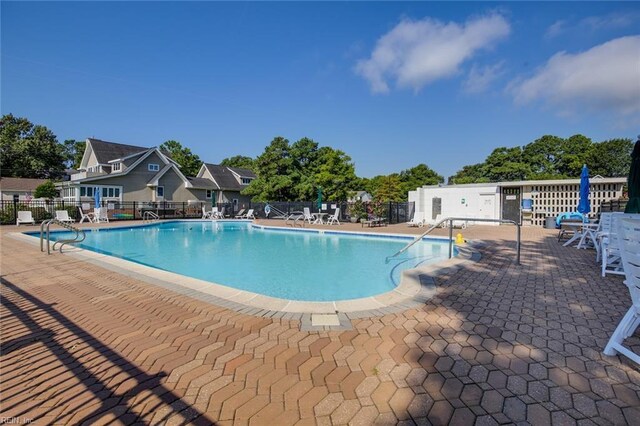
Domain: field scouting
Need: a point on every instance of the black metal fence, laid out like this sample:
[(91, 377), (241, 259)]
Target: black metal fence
[(134, 210)]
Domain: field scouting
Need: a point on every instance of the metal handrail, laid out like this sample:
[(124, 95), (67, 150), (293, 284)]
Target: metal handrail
[(149, 216), (466, 219), (80, 234)]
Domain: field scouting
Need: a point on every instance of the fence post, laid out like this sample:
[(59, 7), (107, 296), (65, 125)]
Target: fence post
[(184, 210), (15, 208)]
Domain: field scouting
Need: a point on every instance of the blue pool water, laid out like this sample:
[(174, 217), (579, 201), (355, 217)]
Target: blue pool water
[(297, 265)]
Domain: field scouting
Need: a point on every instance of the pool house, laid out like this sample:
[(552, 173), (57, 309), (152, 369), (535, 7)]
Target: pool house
[(505, 200)]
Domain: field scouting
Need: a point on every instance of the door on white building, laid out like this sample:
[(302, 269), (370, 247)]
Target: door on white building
[(487, 206), (511, 204)]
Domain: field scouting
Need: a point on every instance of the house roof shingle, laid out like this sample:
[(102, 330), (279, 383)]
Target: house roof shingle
[(225, 178), (20, 184), (202, 183), (105, 151)]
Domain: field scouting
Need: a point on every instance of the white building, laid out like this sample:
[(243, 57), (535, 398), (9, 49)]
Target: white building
[(503, 200)]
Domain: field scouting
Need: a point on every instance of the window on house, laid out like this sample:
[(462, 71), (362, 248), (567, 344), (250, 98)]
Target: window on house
[(160, 191), (208, 193), (153, 167), (90, 191), (116, 167), (105, 192), (117, 192), (111, 192), (83, 191), (246, 181)]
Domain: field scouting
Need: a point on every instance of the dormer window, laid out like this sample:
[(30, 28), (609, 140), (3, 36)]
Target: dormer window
[(153, 167), (116, 167), (246, 181)]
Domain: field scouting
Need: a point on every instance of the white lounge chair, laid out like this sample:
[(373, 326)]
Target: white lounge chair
[(611, 261), (215, 214), (250, 214), (89, 216), (101, 215), (417, 220), (63, 216), (628, 231), (241, 214), (334, 219), (25, 217)]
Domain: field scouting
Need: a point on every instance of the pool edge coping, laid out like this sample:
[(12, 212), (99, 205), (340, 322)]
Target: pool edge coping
[(416, 285)]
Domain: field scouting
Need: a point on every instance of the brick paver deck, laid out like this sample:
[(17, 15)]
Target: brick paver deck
[(500, 343)]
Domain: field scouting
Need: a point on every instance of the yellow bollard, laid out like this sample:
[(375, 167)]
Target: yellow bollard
[(459, 239)]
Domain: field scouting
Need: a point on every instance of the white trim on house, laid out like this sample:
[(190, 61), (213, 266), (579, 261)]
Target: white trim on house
[(115, 160), (210, 177)]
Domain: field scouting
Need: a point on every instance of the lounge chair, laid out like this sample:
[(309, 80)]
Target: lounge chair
[(221, 213), (215, 214), (241, 214), (90, 216), (25, 217), (101, 215), (417, 220), (628, 231), (335, 218), (611, 260), (250, 214), (63, 216)]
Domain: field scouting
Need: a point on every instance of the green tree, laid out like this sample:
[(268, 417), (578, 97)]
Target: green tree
[(304, 169), (473, 173), (73, 152), (273, 169), (335, 173), (542, 156), (390, 188), (240, 161), (46, 190), (611, 158), (418, 176), (188, 162), (505, 164), (28, 150), (575, 152)]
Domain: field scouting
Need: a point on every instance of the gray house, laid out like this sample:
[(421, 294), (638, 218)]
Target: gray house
[(134, 173), (228, 183)]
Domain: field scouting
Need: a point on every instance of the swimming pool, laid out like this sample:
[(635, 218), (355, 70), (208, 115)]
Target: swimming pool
[(288, 264)]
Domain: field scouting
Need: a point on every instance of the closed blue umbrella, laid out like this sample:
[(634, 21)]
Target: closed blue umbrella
[(583, 205), (96, 197)]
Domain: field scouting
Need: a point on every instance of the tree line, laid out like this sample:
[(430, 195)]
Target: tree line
[(550, 157), (297, 171)]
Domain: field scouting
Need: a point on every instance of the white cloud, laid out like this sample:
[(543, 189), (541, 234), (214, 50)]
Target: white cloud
[(480, 78), (592, 23), (556, 28), (605, 78), (416, 53)]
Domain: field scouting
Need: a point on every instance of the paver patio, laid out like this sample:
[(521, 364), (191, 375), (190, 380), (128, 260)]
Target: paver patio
[(500, 343)]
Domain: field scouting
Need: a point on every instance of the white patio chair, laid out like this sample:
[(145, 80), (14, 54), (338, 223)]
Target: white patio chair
[(25, 217), (335, 218), (250, 214), (628, 231), (207, 214), (101, 215), (417, 220), (63, 216), (89, 216), (241, 214), (215, 214), (307, 216)]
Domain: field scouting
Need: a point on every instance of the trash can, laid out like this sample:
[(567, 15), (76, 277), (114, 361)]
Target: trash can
[(550, 223)]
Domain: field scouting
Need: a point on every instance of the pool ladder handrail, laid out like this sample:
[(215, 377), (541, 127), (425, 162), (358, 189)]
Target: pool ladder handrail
[(149, 216), (460, 219), (79, 237)]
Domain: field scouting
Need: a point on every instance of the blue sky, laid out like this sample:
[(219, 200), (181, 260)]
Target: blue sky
[(391, 84)]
